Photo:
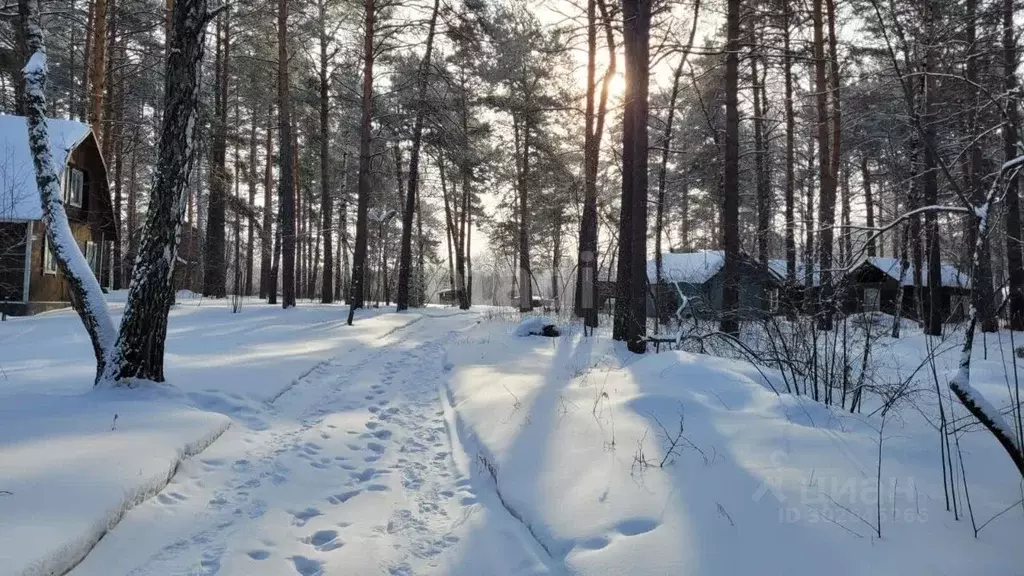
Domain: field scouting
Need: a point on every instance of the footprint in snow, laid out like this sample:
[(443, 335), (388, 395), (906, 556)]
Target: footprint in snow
[(258, 554), (324, 540), (343, 497), (307, 566), (300, 517), (636, 526)]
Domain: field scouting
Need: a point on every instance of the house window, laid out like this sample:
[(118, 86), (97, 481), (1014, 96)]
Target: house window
[(872, 300), (773, 300), (92, 257), (49, 262), (74, 180)]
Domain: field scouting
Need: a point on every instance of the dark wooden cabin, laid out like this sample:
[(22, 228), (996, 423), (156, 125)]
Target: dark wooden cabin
[(700, 277), (29, 279), (874, 286)]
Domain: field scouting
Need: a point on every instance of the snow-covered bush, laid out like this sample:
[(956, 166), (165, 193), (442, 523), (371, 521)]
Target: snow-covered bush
[(537, 326)]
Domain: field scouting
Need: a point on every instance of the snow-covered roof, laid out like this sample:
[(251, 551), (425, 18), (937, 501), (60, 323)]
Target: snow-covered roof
[(688, 267), (19, 197), (780, 268), (951, 277)]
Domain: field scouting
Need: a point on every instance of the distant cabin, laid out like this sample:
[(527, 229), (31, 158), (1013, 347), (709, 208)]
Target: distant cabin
[(29, 279), (874, 286), (700, 277), (448, 297)]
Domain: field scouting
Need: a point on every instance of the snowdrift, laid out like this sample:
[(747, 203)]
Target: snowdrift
[(685, 464), (71, 466)]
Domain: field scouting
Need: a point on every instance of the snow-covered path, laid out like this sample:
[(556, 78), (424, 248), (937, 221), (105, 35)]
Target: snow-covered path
[(350, 470)]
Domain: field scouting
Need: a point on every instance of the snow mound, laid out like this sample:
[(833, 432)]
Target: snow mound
[(686, 464), (71, 466), (537, 326)]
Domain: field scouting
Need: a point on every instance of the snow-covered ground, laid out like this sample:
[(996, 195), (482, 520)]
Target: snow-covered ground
[(439, 442)]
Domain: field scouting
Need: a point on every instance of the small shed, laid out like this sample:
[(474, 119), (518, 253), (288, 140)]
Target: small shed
[(874, 285), (700, 277), (30, 281)]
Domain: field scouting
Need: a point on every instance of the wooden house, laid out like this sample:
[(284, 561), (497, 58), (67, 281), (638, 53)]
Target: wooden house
[(874, 286), (700, 277), (29, 279)]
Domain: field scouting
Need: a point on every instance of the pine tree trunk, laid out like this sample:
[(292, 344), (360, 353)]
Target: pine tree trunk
[(933, 320), (365, 135), (286, 183), (631, 313), (787, 68), (826, 206), (1014, 256), (268, 288), (251, 228), (215, 267), (730, 178), (869, 203), (405, 258), (981, 293), (98, 66), (586, 280), (764, 215), (659, 218), (525, 274), (326, 206)]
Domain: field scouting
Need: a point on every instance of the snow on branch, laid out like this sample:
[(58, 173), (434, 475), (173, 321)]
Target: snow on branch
[(86, 294)]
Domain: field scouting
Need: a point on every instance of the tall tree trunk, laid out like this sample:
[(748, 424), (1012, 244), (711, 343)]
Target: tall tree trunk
[(869, 203), (787, 68), (117, 144), (826, 206), (405, 258), (764, 216), (525, 274), (341, 272), (466, 171), (107, 142), (286, 178), (631, 313), (421, 288), (809, 283), (586, 270), (251, 173), (85, 103), (844, 210), (933, 323), (326, 207), (365, 135), (268, 288), (139, 351), (730, 177), (98, 66), (215, 268), (981, 293), (666, 145), (1014, 256)]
